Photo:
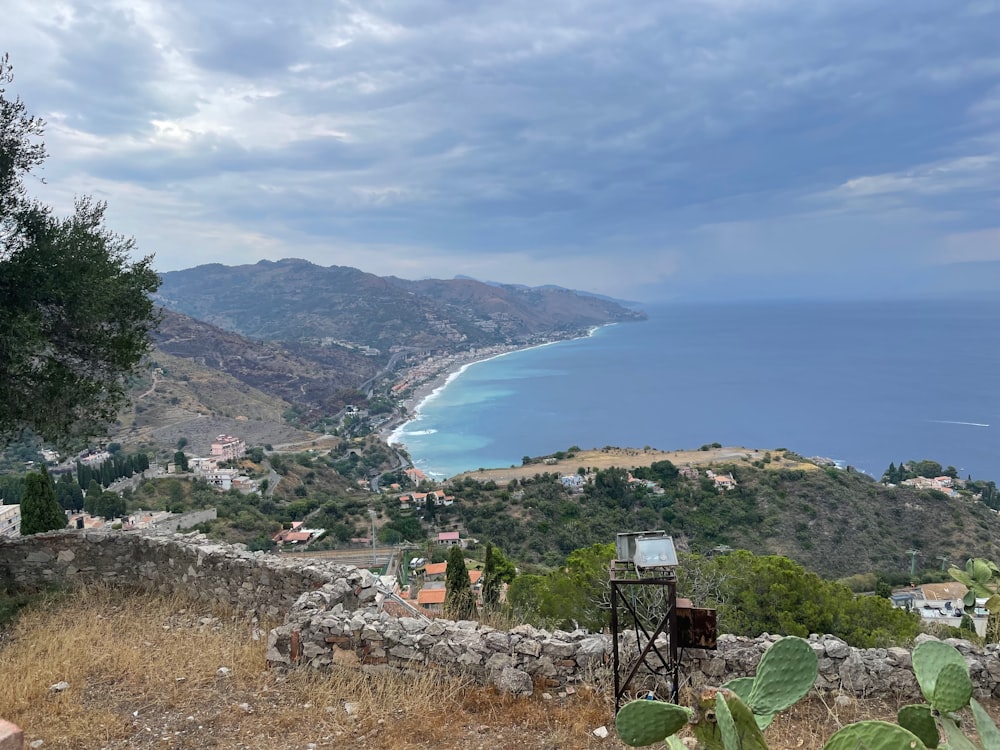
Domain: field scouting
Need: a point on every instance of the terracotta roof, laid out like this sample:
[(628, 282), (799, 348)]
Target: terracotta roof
[(433, 569), (297, 536), (475, 575), (446, 536), (431, 596)]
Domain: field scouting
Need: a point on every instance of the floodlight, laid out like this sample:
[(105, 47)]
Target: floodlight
[(655, 552), (625, 543)]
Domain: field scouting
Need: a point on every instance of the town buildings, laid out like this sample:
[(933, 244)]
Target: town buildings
[(228, 448)]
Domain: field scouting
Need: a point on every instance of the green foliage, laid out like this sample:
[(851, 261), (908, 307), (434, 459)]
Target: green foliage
[(39, 510), (576, 594), (76, 312), (981, 577), (459, 602), (768, 593)]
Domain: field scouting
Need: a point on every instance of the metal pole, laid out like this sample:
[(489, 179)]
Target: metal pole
[(614, 636)]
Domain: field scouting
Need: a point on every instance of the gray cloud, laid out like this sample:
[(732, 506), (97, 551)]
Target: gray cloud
[(684, 137)]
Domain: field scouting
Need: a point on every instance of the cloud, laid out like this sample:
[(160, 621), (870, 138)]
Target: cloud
[(630, 145)]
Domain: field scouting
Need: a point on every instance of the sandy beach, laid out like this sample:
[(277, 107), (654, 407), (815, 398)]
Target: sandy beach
[(437, 374)]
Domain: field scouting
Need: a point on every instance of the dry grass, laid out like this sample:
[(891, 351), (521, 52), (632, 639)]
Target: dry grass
[(143, 673), (631, 458)]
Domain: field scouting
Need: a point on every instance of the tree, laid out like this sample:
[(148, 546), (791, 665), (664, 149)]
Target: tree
[(68, 493), (75, 314), (459, 603), (181, 461), (39, 509), (497, 570), (90, 501)]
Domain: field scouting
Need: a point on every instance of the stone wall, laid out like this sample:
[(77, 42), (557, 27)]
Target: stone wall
[(333, 617), (254, 583)]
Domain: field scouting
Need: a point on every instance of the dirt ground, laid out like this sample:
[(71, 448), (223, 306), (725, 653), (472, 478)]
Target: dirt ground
[(630, 458)]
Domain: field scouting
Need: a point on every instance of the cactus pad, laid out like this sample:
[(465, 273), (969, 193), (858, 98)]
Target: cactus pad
[(785, 674), (988, 733), (712, 728), (952, 689), (873, 735), (929, 659), (644, 722), (919, 720)]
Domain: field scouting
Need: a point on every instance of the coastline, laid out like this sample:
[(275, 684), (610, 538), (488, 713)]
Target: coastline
[(441, 374)]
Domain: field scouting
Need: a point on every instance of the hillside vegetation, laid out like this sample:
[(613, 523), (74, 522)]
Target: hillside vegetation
[(292, 300), (834, 522)]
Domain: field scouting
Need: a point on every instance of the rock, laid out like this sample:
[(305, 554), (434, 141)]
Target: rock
[(223, 671), (836, 648), (37, 743), (246, 708), (351, 709), (514, 681), (601, 732), (59, 687), (843, 701)]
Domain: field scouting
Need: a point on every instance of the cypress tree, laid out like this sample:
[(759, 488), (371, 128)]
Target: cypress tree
[(39, 509), (491, 580), (459, 603), (93, 493)]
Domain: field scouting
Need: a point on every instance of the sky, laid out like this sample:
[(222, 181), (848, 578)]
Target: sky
[(648, 150)]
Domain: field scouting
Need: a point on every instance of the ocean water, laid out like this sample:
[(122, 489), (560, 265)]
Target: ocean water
[(864, 383)]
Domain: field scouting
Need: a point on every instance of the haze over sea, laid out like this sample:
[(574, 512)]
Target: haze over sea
[(864, 383)]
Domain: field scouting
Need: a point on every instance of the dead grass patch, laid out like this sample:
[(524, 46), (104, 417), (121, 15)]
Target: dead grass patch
[(143, 672)]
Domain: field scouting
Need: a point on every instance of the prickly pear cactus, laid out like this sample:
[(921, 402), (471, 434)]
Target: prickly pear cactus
[(735, 721), (787, 671), (929, 658), (989, 735), (873, 735), (643, 722), (919, 719), (952, 689)]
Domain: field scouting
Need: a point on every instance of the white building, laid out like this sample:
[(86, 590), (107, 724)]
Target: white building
[(10, 520)]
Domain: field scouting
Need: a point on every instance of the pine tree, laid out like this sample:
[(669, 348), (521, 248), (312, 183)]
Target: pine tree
[(39, 509), (459, 603)]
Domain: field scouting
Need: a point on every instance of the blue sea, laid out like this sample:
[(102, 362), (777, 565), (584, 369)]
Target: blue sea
[(863, 383)]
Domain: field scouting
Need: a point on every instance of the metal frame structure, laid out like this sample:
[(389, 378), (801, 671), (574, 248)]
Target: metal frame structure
[(623, 577)]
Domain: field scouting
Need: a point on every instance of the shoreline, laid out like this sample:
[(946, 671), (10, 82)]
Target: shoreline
[(451, 369)]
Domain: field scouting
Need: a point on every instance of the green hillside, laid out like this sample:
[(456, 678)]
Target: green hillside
[(832, 521)]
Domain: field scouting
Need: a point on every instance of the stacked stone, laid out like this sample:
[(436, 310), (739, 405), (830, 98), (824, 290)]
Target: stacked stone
[(333, 618), (323, 631), (254, 583)]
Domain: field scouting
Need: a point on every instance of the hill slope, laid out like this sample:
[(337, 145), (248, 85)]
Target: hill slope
[(296, 300), (834, 522)]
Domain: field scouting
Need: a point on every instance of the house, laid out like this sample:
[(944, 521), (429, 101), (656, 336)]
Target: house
[(227, 447), (688, 472), (475, 579), (415, 475), (10, 520), (435, 571), (724, 482), (297, 534), (448, 537), (432, 599), (942, 602), (573, 481)]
